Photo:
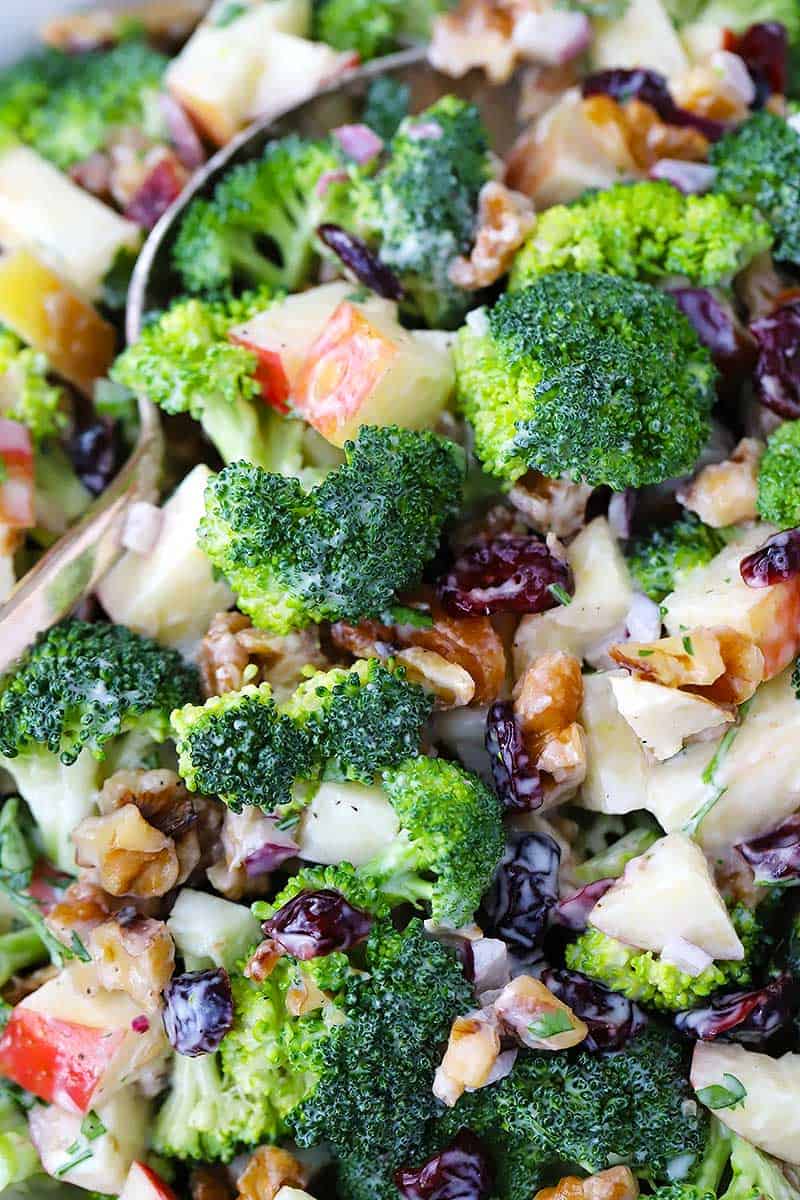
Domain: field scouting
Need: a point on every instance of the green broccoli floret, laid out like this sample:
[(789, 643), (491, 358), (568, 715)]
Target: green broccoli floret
[(779, 477), (77, 690), (260, 225), (759, 164), (184, 363), (610, 862), (343, 549), (25, 85), (19, 1159), (592, 376), (755, 1175), (239, 747), (26, 394), (660, 561), (646, 231), (386, 106), (358, 888), (370, 27), (361, 718), (737, 15), (420, 210)]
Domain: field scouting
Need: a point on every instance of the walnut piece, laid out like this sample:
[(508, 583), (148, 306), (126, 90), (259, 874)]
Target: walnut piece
[(81, 909), (472, 1051), (128, 856), (720, 664), (551, 505), (262, 961), (725, 493), (530, 1011), (268, 1170), (649, 139), (615, 1183), (304, 995), (234, 653), (505, 218), (477, 33), (210, 1183), (451, 684), (136, 957), (160, 795), (547, 700), (711, 91)]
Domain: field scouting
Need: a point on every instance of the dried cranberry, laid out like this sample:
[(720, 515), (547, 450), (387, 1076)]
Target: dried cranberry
[(748, 1017), (774, 562), (525, 889), (573, 911), (315, 923), (651, 88), (612, 1019), (732, 348), (459, 1172), (509, 573), (775, 856), (198, 1011), (158, 189), (777, 371), (365, 265), (765, 50), (516, 780), (96, 452)]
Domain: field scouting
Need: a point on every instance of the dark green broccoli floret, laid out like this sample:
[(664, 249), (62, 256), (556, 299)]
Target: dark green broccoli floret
[(420, 210), (358, 888), (386, 105), (591, 376), (759, 164), (647, 231), (26, 393), (779, 477), (370, 27), (260, 225), (343, 549), (184, 363), (660, 561)]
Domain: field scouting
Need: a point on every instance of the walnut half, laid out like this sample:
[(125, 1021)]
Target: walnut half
[(127, 855)]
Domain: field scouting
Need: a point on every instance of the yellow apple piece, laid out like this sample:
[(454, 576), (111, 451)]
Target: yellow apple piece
[(346, 822), (643, 36), (616, 765), (664, 717), (768, 1114), (58, 1137)]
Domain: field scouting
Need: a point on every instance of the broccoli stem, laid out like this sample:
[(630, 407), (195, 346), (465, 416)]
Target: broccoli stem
[(19, 950)]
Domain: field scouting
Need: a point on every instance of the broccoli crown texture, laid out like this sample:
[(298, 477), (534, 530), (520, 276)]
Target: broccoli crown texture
[(343, 549), (26, 395), (386, 104), (779, 477), (273, 200), (659, 561), (592, 376), (646, 231), (759, 164), (82, 684), (239, 747), (369, 27), (358, 887), (422, 206)]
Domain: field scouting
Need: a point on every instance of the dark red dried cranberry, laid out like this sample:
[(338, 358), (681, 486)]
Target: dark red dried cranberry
[(517, 781), (751, 1018), (732, 348), (315, 923), (573, 911), (777, 371), (509, 573), (612, 1019), (775, 856), (525, 889), (358, 258), (651, 88), (774, 562), (765, 50), (96, 453), (459, 1172), (198, 1011)]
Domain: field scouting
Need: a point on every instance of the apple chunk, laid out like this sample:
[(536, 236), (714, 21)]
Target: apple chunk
[(768, 1114), (664, 717), (144, 1184), (97, 1158), (365, 369)]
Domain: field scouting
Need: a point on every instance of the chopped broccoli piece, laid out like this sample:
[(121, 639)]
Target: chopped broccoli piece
[(239, 747), (759, 164), (592, 376), (343, 549), (358, 888), (646, 231), (737, 15), (259, 228), (420, 210), (386, 106), (26, 394), (660, 561), (362, 718), (610, 862), (25, 85), (19, 1159), (779, 477), (755, 1174), (370, 27)]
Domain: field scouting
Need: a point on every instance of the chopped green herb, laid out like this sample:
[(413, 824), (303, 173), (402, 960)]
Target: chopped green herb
[(400, 614), (75, 1161), (78, 948), (230, 13), (708, 777), (559, 593), (645, 653), (727, 1094), (687, 645), (550, 1023), (91, 1126)]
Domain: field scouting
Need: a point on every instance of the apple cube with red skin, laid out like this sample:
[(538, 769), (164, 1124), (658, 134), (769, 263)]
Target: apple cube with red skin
[(366, 369), (143, 1183), (16, 477), (62, 1144)]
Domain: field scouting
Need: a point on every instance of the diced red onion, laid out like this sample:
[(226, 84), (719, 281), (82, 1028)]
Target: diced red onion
[(573, 911), (691, 178), (182, 133), (359, 142), (643, 621), (142, 527), (552, 37), (686, 956), (490, 965), (775, 856), (620, 512), (93, 173), (327, 178), (715, 322), (253, 841), (422, 131), (162, 184)]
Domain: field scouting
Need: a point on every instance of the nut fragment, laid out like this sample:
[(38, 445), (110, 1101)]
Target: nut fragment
[(303, 995), (549, 693), (713, 90), (692, 658), (475, 34), (128, 856), (472, 1050), (136, 957), (725, 493), (551, 505), (744, 670), (210, 1183), (531, 1012), (262, 961), (616, 1183), (505, 218), (81, 909), (562, 756), (268, 1170), (160, 795), (452, 686), (234, 653), (649, 138)]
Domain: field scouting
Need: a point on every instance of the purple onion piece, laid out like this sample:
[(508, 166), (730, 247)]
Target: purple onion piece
[(651, 88), (777, 561), (764, 47), (509, 573), (732, 348), (359, 142), (751, 1018), (612, 1019), (459, 1172), (691, 178), (775, 856), (198, 1011), (315, 923), (358, 258), (517, 781), (182, 133), (777, 372), (524, 891), (573, 911)]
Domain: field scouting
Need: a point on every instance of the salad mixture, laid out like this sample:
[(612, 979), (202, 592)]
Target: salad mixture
[(413, 812)]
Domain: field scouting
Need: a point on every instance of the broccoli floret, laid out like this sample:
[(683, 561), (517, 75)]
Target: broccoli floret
[(260, 225), (25, 85), (755, 1175), (26, 394), (644, 231), (420, 210), (239, 747), (660, 561), (343, 549), (592, 376), (358, 888), (77, 690), (610, 862), (386, 105), (737, 15), (779, 477), (184, 363), (370, 27), (759, 164), (362, 718)]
